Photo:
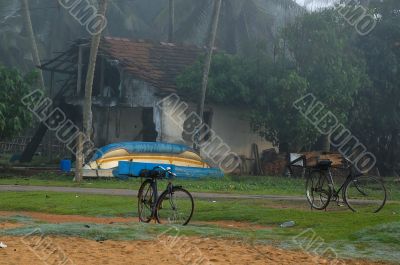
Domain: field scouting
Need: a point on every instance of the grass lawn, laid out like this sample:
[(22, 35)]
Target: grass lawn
[(228, 184), (375, 236)]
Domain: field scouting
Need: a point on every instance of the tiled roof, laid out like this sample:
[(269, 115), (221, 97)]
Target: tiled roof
[(156, 63)]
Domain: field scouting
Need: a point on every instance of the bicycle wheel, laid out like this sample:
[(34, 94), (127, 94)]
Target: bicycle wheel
[(175, 207), (318, 191), (365, 194), (145, 201)]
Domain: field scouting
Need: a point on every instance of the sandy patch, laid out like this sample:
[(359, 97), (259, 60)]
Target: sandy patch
[(233, 224), (57, 219), (7, 225), (185, 251)]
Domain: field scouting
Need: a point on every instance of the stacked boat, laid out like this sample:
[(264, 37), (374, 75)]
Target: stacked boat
[(128, 159)]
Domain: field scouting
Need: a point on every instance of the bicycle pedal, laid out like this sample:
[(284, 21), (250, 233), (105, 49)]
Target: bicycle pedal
[(340, 204)]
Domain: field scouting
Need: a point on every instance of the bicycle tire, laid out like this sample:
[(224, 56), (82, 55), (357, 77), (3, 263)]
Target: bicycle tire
[(365, 194), (171, 215), (145, 201), (318, 190)]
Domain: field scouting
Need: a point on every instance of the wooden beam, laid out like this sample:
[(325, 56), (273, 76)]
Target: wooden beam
[(79, 79), (102, 66)]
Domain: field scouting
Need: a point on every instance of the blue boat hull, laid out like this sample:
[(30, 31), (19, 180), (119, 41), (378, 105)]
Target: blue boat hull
[(143, 147), (128, 169)]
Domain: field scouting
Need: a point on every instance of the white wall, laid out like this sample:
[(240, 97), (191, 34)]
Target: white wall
[(229, 123)]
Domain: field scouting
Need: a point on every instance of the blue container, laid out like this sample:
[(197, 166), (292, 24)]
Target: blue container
[(65, 166)]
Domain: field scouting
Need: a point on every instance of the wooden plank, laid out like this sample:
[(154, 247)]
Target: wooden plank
[(102, 173)]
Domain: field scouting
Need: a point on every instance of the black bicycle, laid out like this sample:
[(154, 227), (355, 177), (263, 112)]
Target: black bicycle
[(174, 206), (361, 193)]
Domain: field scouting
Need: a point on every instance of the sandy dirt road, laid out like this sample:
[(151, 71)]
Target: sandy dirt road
[(184, 250), (60, 250)]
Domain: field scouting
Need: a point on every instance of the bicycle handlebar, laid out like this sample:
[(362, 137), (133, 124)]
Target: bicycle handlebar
[(166, 170)]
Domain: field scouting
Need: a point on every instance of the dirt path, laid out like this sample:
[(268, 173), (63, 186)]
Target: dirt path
[(124, 192), (58, 219), (165, 250)]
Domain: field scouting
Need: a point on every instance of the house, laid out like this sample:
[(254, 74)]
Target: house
[(131, 79)]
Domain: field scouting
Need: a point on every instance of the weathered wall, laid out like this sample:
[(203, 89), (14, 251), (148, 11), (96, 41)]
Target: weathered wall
[(116, 124), (227, 122), (170, 125), (230, 125), (125, 120), (136, 93)]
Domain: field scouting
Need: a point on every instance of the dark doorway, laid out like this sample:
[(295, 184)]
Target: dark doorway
[(149, 133)]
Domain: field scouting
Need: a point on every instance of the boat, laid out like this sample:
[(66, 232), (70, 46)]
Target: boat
[(128, 159)]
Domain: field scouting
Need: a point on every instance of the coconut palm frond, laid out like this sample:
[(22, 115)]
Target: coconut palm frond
[(196, 25)]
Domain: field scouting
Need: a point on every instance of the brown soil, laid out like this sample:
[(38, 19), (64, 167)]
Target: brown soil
[(234, 224), (65, 250), (57, 219), (7, 225), (165, 250)]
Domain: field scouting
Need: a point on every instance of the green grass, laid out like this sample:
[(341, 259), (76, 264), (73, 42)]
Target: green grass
[(340, 222), (337, 227), (228, 184)]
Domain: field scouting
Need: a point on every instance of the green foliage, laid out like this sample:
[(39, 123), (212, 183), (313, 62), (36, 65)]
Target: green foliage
[(275, 118), (322, 48), (323, 61), (262, 88), (14, 116), (376, 116), (227, 81)]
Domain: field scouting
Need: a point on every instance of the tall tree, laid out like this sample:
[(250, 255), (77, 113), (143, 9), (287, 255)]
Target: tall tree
[(376, 116), (241, 22), (34, 48), (269, 89), (87, 108), (320, 43), (94, 47), (171, 28), (207, 63)]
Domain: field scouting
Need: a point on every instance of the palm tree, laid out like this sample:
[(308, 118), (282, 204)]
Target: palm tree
[(241, 22), (87, 108), (207, 63), (171, 21), (34, 48)]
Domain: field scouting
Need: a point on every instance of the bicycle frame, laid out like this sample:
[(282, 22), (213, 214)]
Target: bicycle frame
[(154, 184), (336, 192)]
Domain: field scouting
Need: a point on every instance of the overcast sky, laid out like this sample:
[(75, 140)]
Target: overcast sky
[(312, 4)]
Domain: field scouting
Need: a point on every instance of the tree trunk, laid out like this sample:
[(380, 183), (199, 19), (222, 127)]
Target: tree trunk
[(79, 159), (171, 21), (87, 108), (325, 143), (207, 64), (34, 49)]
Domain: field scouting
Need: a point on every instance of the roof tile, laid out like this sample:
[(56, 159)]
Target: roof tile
[(156, 63)]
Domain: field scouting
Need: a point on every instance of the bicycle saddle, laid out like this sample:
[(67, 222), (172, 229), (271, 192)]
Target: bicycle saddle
[(324, 164), (155, 174)]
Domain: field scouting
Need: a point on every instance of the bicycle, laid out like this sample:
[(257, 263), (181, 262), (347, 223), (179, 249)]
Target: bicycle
[(174, 206), (361, 193)]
